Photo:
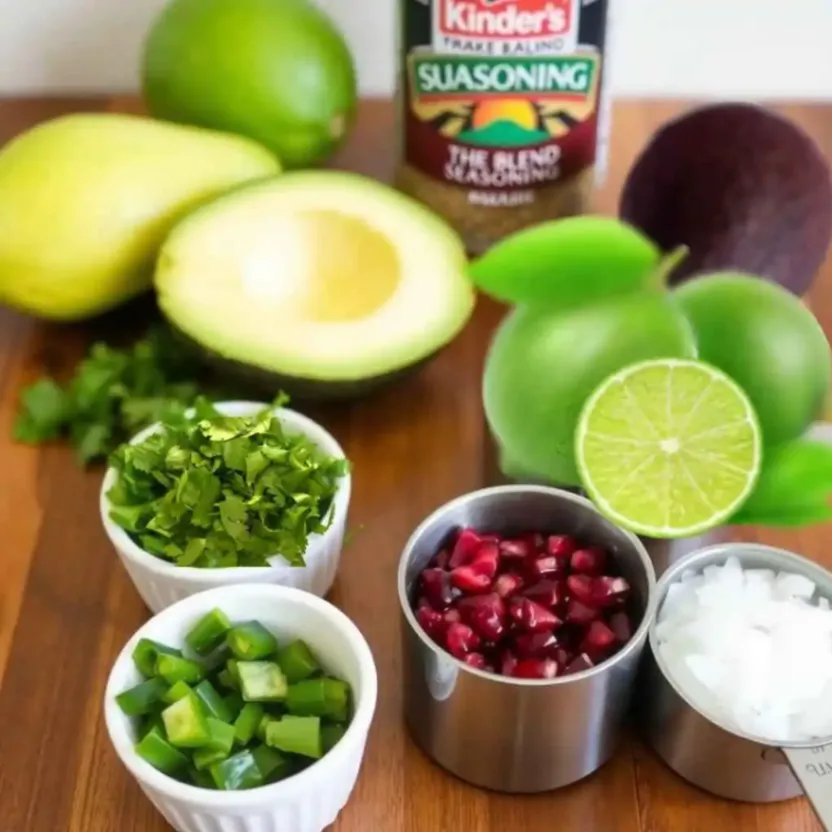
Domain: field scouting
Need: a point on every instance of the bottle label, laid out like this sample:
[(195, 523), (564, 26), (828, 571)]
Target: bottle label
[(502, 95)]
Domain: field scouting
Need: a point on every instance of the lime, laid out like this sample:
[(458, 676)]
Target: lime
[(668, 448)]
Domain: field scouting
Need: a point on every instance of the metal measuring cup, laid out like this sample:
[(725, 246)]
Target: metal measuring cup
[(721, 759)]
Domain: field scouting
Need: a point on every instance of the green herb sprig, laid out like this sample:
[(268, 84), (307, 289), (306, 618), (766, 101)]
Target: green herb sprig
[(113, 394), (218, 491)]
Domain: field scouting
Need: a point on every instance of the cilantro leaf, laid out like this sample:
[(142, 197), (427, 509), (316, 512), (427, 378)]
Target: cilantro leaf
[(44, 409), (213, 491)]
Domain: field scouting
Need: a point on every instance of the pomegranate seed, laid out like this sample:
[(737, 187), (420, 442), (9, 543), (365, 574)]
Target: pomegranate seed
[(508, 584), (461, 640), (442, 559), (515, 549), (465, 547), (508, 662), (608, 592), (546, 592), (471, 579), (431, 622), (620, 624), (589, 561), (599, 640), (578, 665), (436, 585), (533, 617), (537, 645), (560, 546), (476, 660), (563, 657), (536, 669), (547, 566), (581, 587), (451, 616), (486, 615), (536, 541), (579, 613), (487, 559)]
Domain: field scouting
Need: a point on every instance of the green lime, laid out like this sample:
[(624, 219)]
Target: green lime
[(668, 448)]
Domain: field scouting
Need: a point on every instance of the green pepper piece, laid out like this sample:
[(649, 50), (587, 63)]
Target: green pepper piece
[(234, 703), (227, 680), (245, 726), (319, 697), (262, 682), (232, 667), (201, 779), (208, 633), (175, 669), (175, 692), (297, 662), (186, 725), (222, 736), (273, 765), (251, 641), (263, 727), (296, 735), (143, 698), (217, 660), (331, 735), (157, 751), (205, 757), (212, 701), (237, 772), (147, 651)]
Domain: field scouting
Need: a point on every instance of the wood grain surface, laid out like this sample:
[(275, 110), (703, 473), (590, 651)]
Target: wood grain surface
[(67, 606)]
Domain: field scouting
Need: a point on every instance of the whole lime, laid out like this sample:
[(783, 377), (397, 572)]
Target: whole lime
[(543, 364), (768, 342), (277, 71)]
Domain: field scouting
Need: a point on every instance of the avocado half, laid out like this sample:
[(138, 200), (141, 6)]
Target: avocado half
[(323, 284)]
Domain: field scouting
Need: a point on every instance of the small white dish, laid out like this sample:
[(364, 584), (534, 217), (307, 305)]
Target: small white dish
[(307, 802), (161, 583)]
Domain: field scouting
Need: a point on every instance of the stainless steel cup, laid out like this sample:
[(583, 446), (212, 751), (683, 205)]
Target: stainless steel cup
[(717, 758), (515, 735)]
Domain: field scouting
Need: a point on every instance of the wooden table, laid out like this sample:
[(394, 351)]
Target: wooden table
[(67, 606)]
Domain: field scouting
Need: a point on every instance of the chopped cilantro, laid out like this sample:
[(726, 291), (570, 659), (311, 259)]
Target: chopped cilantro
[(113, 395), (216, 491)]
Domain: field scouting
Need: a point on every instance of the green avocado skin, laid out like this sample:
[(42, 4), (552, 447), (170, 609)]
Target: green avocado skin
[(276, 71)]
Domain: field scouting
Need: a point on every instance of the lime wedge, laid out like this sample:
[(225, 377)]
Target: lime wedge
[(668, 448)]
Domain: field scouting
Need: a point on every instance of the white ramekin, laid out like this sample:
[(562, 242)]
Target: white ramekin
[(309, 801), (161, 583)]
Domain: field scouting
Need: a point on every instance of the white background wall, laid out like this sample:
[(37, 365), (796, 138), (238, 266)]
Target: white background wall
[(722, 48)]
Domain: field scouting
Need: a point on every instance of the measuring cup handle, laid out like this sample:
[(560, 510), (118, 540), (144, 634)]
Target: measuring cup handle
[(813, 769)]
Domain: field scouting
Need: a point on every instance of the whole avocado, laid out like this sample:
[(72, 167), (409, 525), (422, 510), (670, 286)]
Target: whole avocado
[(277, 71), (768, 342), (742, 187)]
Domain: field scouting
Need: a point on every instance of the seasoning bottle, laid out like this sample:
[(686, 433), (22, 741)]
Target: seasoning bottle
[(502, 112)]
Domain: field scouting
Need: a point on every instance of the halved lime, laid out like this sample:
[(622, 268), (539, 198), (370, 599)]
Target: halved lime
[(668, 448)]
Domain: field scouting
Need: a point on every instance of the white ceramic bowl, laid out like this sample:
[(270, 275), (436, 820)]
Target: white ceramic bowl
[(307, 802), (161, 583)]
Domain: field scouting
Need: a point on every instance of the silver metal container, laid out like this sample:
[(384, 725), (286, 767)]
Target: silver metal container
[(715, 757), (514, 735)]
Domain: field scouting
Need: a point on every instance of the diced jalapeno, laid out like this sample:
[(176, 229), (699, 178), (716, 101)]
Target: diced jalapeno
[(331, 735), (212, 702), (146, 652), (175, 669), (222, 735), (261, 682), (157, 751), (323, 697), (246, 724), (186, 725), (297, 662), (296, 735), (175, 692), (143, 698), (237, 772), (251, 641), (206, 757), (273, 765), (208, 633), (264, 726), (202, 779), (234, 703)]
